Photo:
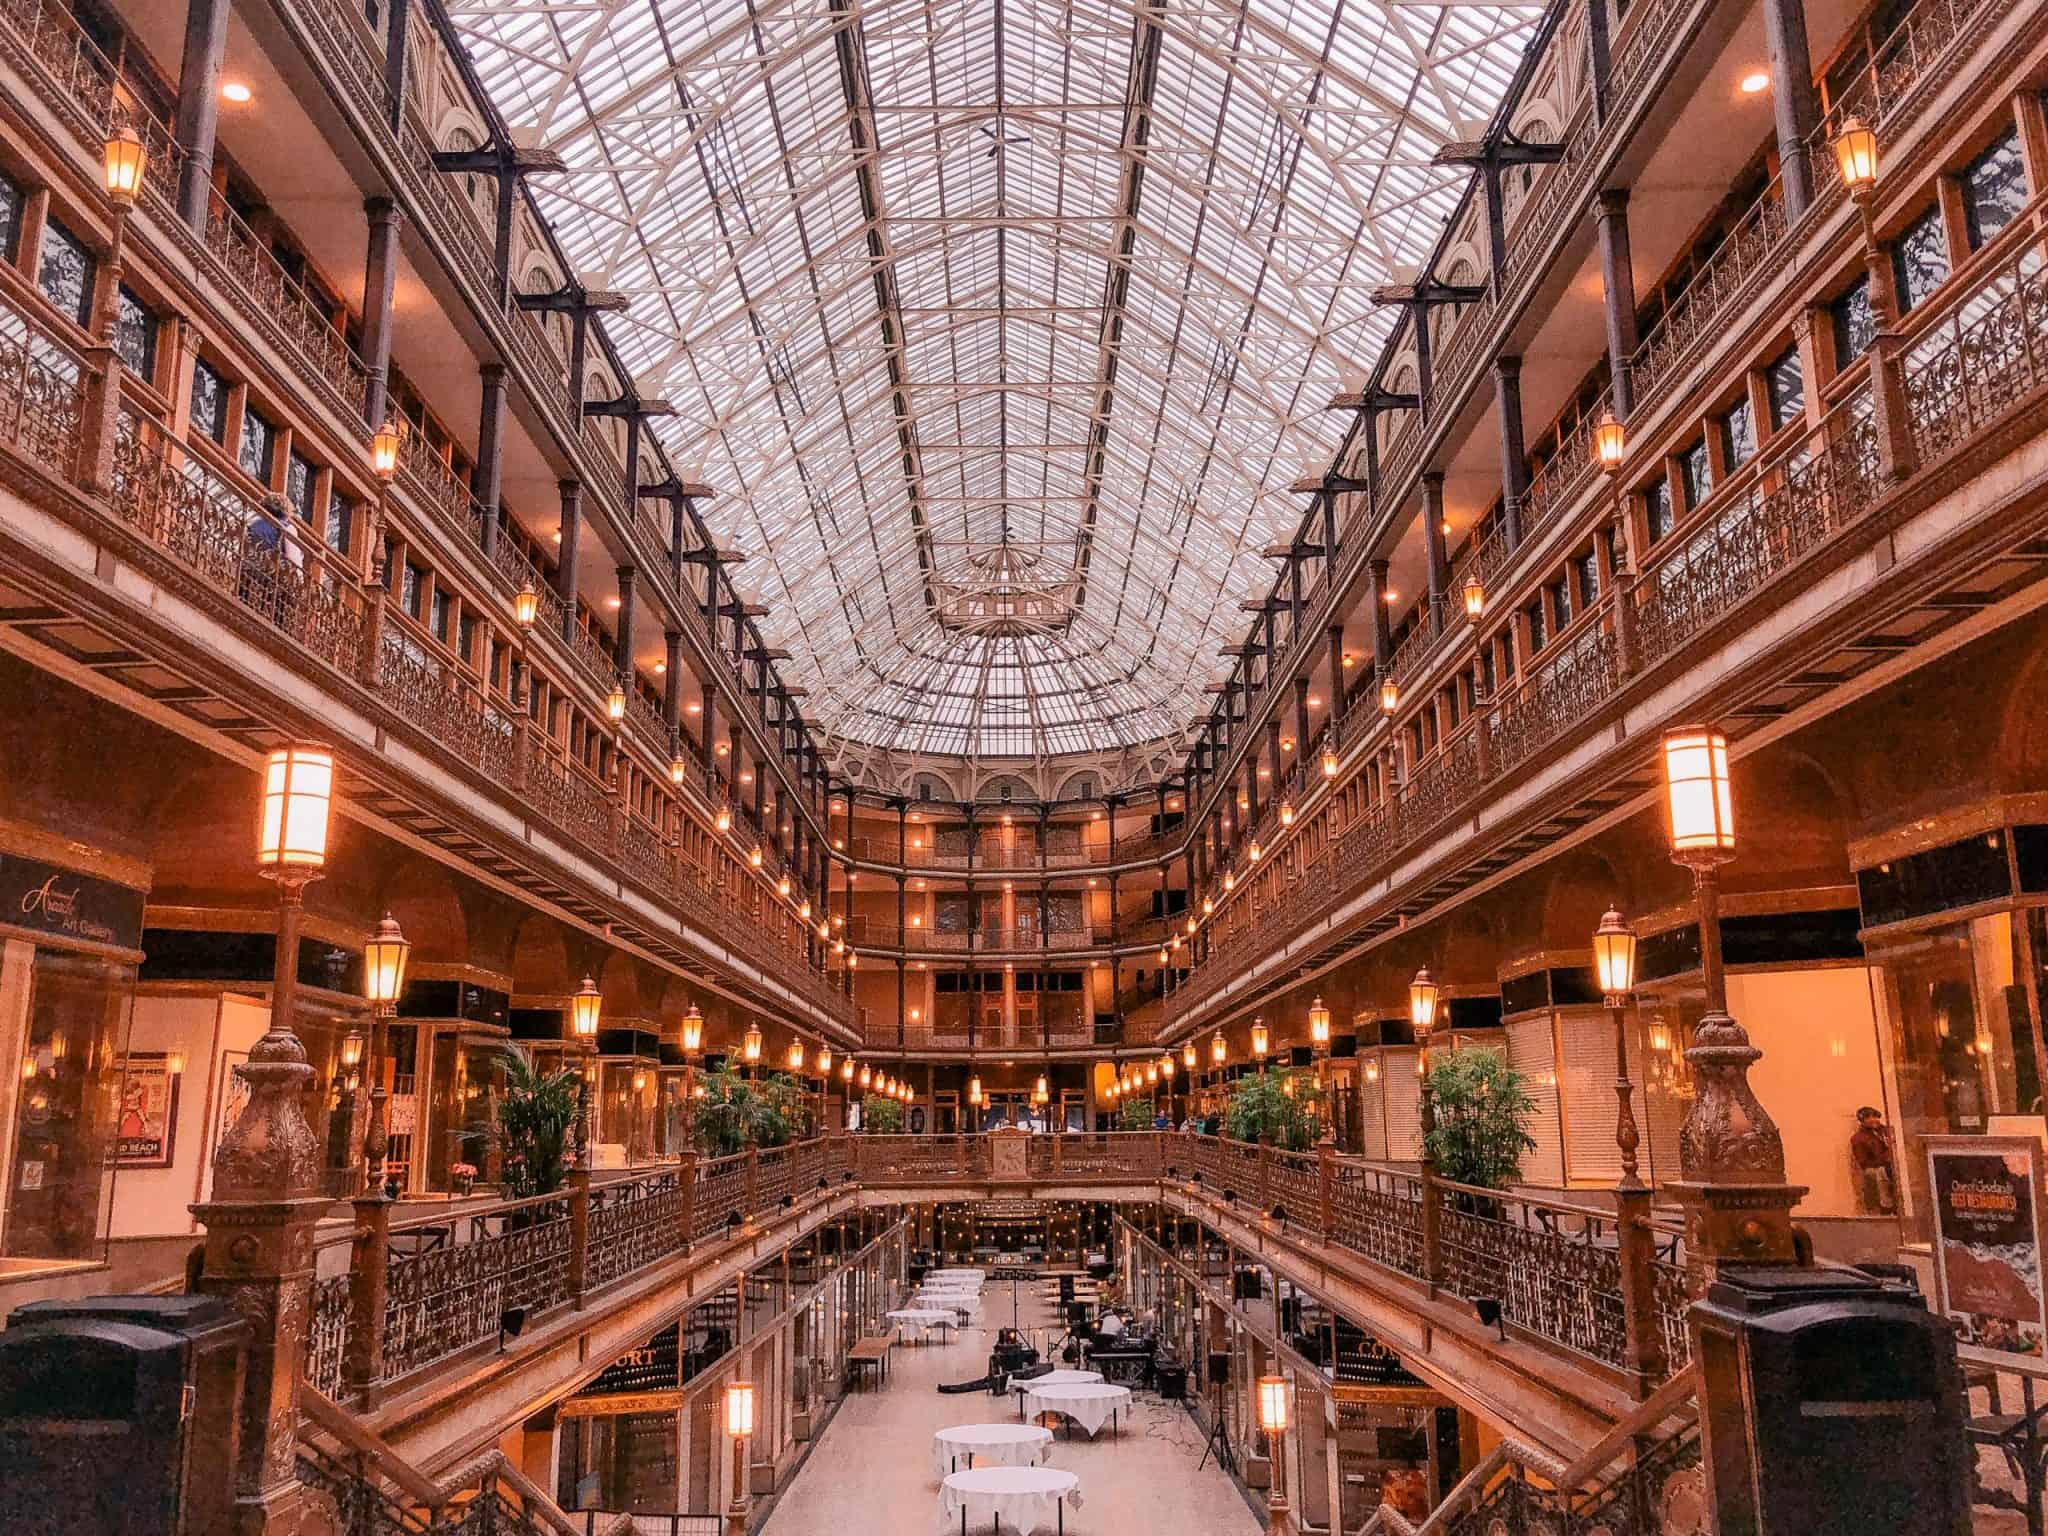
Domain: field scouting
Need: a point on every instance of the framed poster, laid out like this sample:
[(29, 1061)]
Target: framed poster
[(147, 1132), (1987, 1240)]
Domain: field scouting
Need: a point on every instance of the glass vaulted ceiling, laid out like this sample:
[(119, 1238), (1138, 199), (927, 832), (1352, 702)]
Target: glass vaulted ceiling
[(1000, 326)]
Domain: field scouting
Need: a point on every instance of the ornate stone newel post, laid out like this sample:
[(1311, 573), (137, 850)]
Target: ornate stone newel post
[(266, 1199)]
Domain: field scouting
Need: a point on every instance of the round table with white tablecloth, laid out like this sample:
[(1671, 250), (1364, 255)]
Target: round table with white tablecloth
[(988, 1445), (1057, 1378), (924, 1317), (1023, 1499), (1090, 1404)]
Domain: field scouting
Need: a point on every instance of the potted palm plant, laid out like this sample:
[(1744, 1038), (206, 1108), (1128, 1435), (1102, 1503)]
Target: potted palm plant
[(1281, 1107), (536, 1115), (1482, 1119)]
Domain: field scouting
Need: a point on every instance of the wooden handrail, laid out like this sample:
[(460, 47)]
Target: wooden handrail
[(1659, 1405), (492, 1466)]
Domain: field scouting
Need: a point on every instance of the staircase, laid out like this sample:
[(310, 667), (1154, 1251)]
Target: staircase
[(359, 1486), (1644, 1477)]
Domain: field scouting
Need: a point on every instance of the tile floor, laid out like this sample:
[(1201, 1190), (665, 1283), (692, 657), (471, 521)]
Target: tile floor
[(870, 1474)]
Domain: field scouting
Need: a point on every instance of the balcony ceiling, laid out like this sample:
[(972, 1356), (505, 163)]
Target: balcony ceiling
[(1001, 326)]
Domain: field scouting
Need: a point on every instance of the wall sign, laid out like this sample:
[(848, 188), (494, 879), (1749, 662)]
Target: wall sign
[(147, 1134), (48, 898), (1987, 1240)]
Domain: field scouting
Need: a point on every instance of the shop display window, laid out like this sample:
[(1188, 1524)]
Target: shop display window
[(1964, 1045), (68, 1107)]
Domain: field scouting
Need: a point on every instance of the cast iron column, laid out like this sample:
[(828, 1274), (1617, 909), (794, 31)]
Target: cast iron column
[(380, 273), (1618, 296), (206, 38)]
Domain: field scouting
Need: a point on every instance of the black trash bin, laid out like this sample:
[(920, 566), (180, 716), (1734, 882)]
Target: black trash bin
[(1834, 1406), (118, 1416)]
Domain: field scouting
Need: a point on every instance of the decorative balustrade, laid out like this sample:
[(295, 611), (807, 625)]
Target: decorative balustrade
[(429, 475), (1971, 360), (1642, 1477), (327, 1334), (1555, 1268), (1747, 253), (1378, 1212), (1552, 488), (235, 550), (361, 1487), (721, 1197), (434, 1286), (453, 1287), (90, 88), (565, 796), (309, 332), (633, 1223), (42, 393)]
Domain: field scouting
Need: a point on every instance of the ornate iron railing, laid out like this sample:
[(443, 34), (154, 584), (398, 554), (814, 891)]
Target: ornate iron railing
[(633, 1223), (1643, 1478), (461, 1276), (1554, 1268), (235, 549), (361, 1487)]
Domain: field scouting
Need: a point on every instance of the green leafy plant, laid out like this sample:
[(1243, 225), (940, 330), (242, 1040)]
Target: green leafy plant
[(1264, 1107), (536, 1117), (735, 1114), (1482, 1119), (1134, 1114), (881, 1114)]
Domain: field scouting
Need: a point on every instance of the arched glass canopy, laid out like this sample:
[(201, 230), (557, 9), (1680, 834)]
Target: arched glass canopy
[(1001, 326)]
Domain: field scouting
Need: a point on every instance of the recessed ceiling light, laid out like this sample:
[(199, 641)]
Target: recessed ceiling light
[(236, 92), (1753, 82), (611, 602), (1386, 597)]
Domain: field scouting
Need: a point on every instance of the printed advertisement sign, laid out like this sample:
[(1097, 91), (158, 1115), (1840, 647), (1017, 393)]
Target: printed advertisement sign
[(1988, 1240), (147, 1134)]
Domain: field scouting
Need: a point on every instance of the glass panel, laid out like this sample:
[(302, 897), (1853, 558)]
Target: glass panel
[(259, 442), (1069, 578), (1788, 387), (1920, 259), (10, 218), (1994, 188), (340, 522), (1657, 519), (135, 326), (1738, 435), (1854, 325), (69, 1097), (1696, 473), (66, 274), (209, 401), (1962, 1053)]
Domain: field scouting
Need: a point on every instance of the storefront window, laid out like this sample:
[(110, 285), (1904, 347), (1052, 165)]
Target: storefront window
[(1965, 1053), (626, 1114), (59, 1180)]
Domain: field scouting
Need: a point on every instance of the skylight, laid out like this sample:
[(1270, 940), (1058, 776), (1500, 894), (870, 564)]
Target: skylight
[(1035, 301)]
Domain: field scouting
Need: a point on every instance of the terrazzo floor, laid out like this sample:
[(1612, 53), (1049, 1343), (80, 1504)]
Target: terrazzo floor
[(870, 1474)]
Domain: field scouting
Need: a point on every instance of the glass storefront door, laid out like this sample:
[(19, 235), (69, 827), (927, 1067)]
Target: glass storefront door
[(1965, 1046), (68, 1108)]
